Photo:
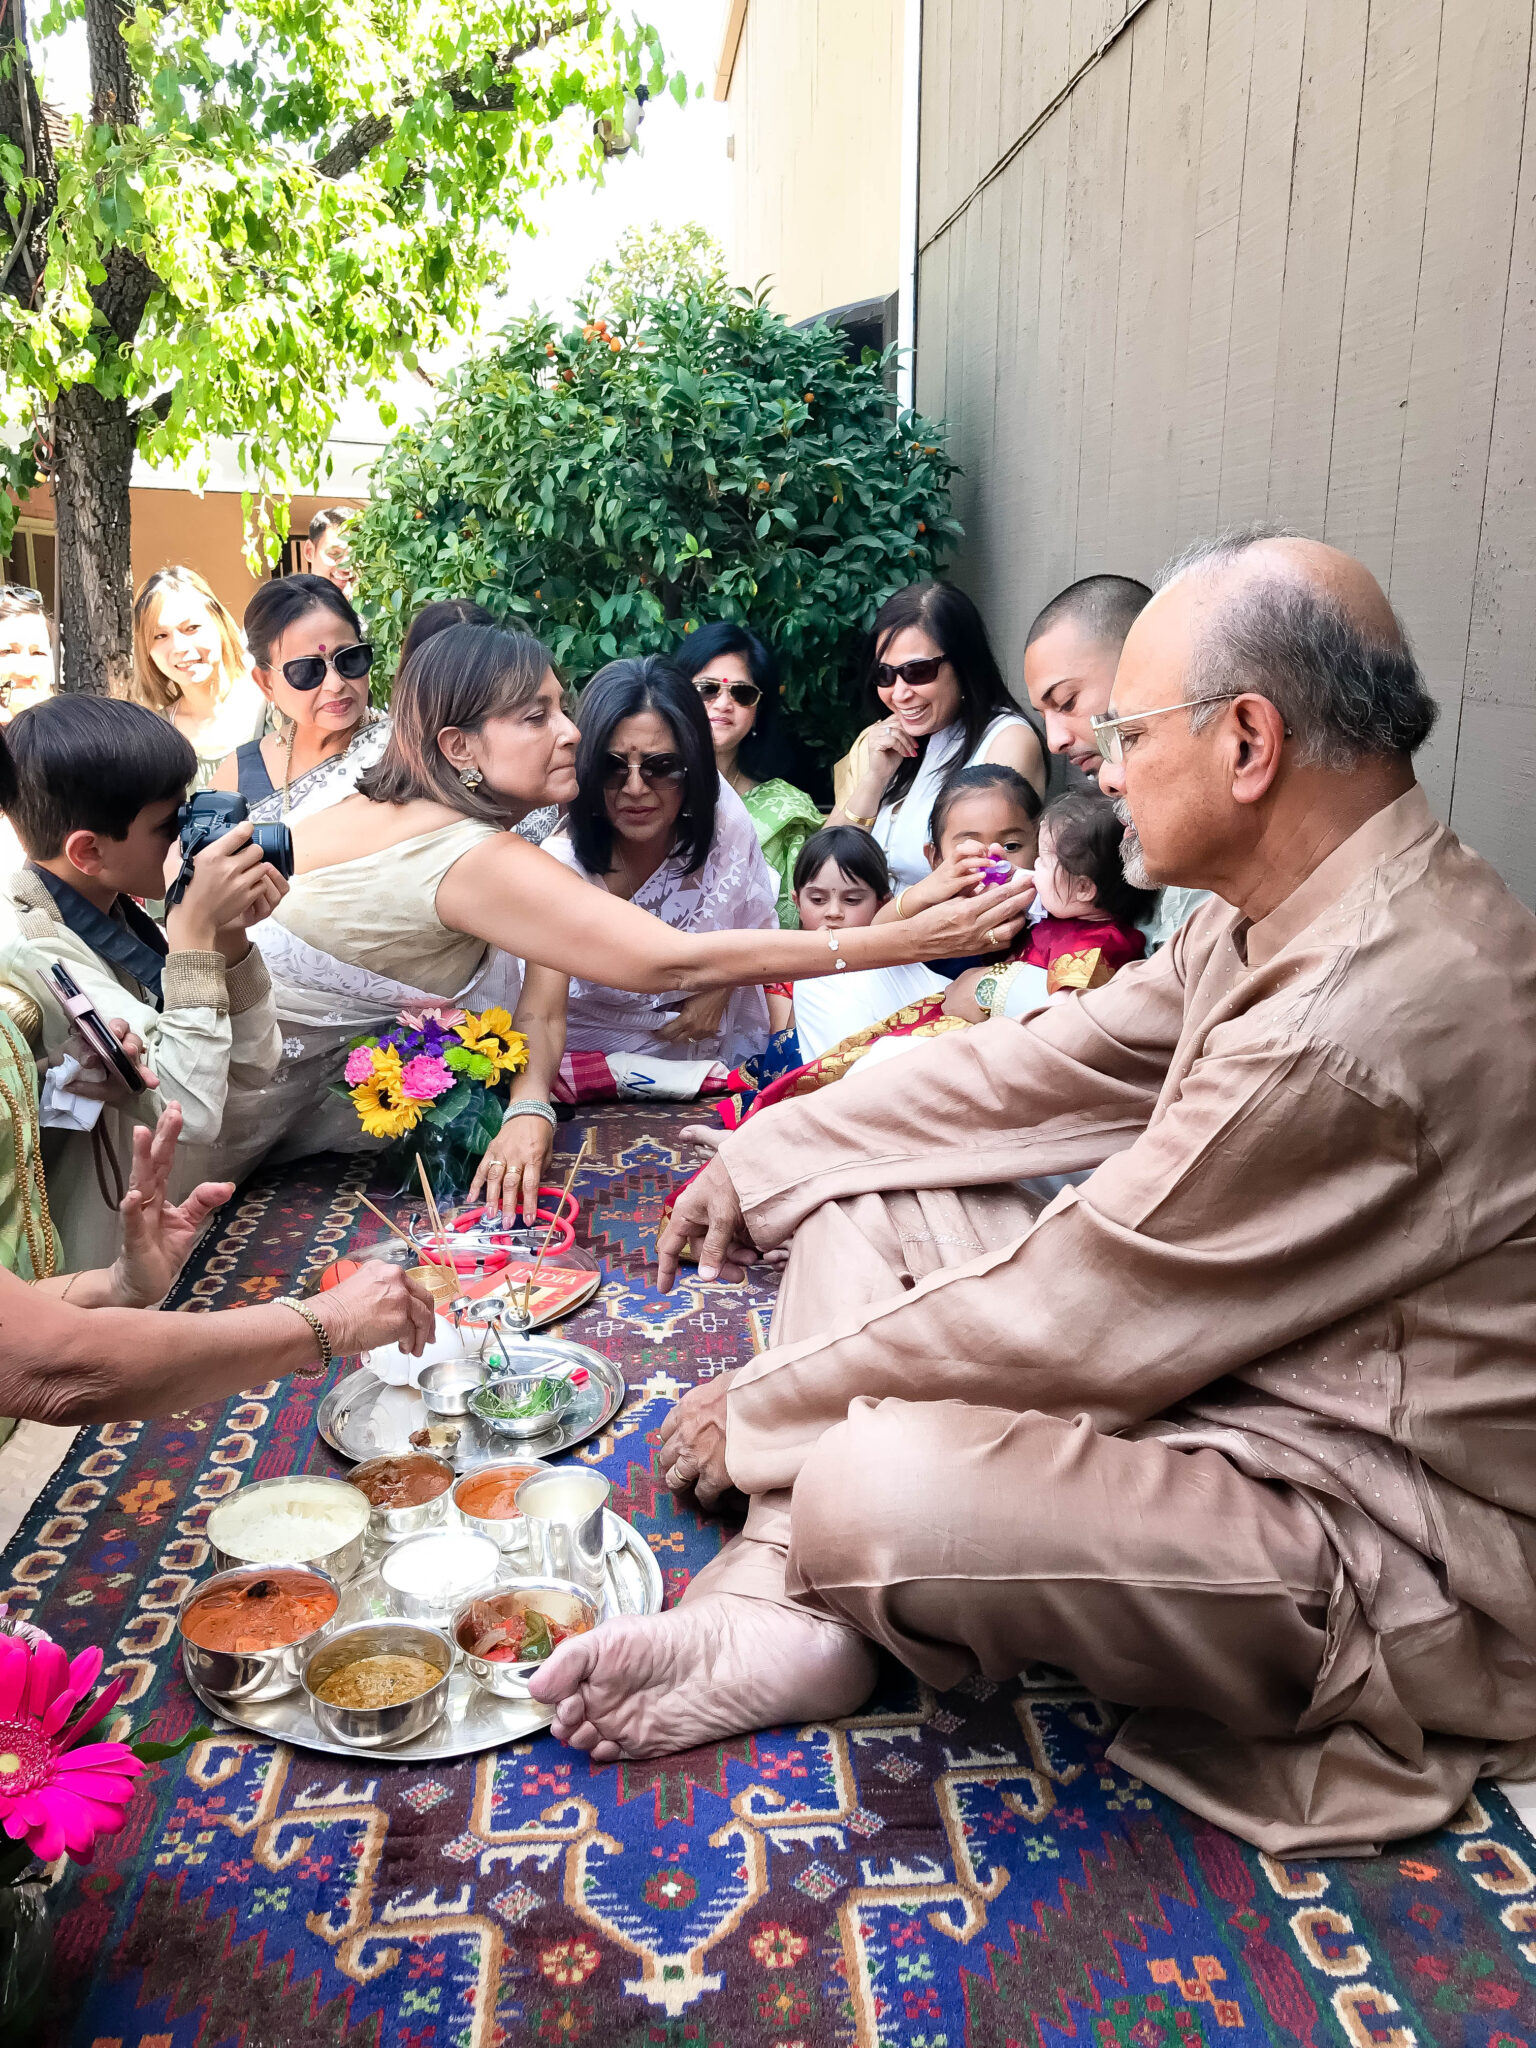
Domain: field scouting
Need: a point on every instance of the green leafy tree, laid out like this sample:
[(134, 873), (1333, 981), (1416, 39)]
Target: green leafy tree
[(617, 482), (271, 204)]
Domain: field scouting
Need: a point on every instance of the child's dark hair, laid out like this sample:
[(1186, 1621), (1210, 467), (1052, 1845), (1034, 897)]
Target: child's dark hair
[(861, 858), (1085, 838), (987, 775), (90, 764)]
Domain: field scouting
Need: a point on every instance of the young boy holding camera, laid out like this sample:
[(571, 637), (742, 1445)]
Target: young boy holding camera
[(100, 790)]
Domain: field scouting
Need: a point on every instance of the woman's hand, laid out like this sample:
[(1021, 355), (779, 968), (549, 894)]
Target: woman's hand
[(515, 1163), (698, 1018), (985, 923), (376, 1305), (157, 1235)]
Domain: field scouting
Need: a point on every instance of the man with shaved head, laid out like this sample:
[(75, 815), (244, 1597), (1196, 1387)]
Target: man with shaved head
[(1070, 658), (1238, 1430)]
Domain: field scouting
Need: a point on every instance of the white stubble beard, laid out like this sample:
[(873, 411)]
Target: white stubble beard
[(1131, 857)]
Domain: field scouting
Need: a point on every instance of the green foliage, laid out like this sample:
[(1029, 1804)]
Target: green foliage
[(612, 487), (314, 196)]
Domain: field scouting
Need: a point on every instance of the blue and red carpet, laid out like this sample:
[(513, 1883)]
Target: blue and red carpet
[(962, 1871)]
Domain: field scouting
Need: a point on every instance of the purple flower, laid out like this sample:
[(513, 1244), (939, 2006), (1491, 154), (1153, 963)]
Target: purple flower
[(424, 1079)]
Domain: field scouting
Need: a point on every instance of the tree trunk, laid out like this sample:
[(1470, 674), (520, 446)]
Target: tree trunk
[(93, 439)]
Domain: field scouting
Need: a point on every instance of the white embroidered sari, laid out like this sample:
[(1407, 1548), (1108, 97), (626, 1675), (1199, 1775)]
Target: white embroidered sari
[(732, 891)]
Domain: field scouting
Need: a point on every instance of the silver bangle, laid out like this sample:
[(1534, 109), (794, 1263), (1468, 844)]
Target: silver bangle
[(529, 1107)]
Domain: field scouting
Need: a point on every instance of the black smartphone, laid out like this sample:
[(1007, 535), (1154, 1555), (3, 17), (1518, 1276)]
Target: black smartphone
[(93, 1026)]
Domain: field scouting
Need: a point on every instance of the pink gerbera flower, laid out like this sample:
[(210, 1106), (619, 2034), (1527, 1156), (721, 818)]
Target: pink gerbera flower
[(425, 1078), (359, 1065), (53, 1796)]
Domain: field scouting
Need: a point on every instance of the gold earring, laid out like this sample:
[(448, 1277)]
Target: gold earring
[(471, 778)]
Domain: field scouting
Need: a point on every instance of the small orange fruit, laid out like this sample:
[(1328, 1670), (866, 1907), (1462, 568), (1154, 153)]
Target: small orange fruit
[(614, 343)]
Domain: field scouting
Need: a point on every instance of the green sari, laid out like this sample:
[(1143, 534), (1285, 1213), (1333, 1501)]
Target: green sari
[(29, 1246), (783, 818)]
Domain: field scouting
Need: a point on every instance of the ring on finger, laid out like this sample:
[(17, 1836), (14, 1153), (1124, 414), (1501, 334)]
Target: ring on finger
[(991, 937)]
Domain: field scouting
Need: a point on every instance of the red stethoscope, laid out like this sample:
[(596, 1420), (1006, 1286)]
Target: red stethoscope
[(489, 1247)]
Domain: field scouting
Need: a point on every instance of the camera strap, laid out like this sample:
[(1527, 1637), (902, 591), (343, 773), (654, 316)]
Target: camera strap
[(136, 944)]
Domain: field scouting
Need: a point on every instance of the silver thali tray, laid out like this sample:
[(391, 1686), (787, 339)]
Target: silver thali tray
[(473, 1719), (363, 1417)]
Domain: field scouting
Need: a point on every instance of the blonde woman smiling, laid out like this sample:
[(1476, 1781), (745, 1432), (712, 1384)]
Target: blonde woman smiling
[(189, 664)]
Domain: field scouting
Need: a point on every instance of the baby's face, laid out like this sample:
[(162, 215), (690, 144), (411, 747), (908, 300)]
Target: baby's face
[(832, 901), (988, 817), (1059, 893)]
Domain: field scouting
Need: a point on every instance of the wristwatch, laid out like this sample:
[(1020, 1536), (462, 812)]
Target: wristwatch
[(986, 989)]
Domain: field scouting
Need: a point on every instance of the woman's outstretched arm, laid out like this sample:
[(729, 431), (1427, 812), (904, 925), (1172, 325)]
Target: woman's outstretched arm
[(59, 1363), (518, 897)]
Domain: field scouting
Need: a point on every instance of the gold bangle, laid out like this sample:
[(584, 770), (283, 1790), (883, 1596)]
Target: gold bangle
[(322, 1337), (901, 897), (864, 824)]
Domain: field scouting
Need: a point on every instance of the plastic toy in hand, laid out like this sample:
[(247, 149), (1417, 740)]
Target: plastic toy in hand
[(997, 871)]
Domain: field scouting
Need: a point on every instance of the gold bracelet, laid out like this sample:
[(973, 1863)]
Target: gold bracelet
[(322, 1337), (864, 824), (901, 897)]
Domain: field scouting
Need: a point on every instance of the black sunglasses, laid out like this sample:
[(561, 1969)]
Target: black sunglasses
[(913, 673), (654, 768), (308, 671), (744, 694)]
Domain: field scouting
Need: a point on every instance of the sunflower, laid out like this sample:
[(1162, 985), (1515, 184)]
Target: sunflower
[(383, 1107), (491, 1035)]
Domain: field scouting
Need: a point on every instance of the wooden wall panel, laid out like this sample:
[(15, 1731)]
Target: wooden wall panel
[(1268, 259)]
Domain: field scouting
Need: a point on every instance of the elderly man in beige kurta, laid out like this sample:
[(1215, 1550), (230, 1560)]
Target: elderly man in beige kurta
[(1240, 1429)]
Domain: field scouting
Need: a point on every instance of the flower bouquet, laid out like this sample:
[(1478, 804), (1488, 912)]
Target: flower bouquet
[(431, 1086), (57, 1794)]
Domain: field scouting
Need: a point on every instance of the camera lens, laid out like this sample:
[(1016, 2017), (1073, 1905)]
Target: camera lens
[(276, 843)]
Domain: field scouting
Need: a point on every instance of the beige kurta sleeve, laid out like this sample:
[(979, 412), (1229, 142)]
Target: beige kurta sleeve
[(1282, 1190), (1056, 1093)]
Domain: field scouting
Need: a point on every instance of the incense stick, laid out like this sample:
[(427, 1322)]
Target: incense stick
[(426, 1189), (404, 1239), (570, 1180)]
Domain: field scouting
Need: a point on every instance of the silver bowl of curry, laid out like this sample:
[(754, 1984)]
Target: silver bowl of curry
[(405, 1494), (378, 1682), (508, 1636), (245, 1633)]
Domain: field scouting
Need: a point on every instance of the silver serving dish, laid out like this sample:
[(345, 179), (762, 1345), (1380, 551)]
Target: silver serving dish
[(377, 1727), (507, 1532), (436, 1608), (361, 1417), (341, 1562), (248, 1676), (474, 1719), (389, 1525), (445, 1389), (517, 1386), (557, 1598)]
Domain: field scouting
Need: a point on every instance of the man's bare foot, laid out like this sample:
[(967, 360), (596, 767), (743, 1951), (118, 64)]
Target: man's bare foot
[(704, 1137), (653, 1685)]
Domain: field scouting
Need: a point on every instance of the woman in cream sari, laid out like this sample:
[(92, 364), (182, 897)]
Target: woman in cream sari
[(408, 891)]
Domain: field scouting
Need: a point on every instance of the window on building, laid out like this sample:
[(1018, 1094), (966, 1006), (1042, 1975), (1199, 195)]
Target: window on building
[(34, 561)]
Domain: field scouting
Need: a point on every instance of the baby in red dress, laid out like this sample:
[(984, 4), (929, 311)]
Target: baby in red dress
[(1091, 911)]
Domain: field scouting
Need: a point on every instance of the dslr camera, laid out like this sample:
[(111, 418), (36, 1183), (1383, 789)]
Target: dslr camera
[(208, 816)]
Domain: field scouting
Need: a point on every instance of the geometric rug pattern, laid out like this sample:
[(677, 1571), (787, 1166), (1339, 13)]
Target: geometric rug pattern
[(961, 1870)]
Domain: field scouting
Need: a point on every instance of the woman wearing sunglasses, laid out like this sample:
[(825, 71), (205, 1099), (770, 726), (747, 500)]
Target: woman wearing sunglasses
[(737, 680), (312, 665), (417, 889), (932, 669), (653, 823), (189, 665)]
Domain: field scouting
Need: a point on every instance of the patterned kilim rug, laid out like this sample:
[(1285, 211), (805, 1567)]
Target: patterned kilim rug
[(963, 1871)]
